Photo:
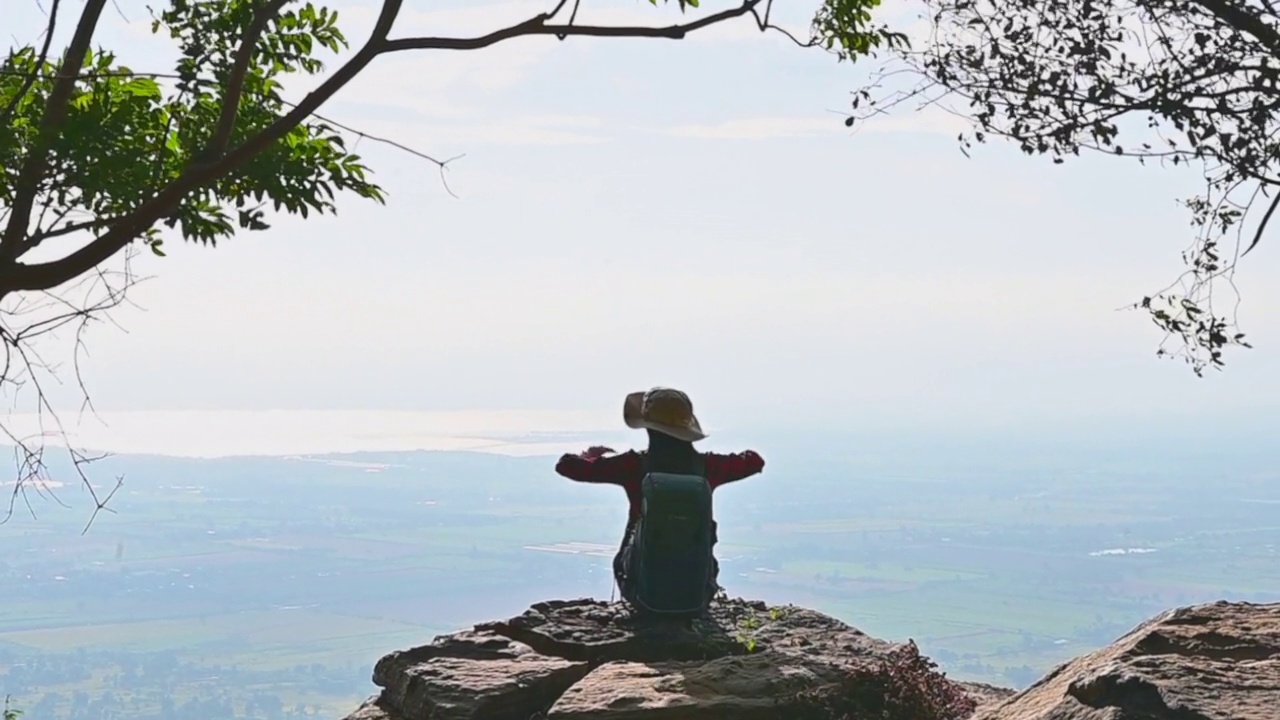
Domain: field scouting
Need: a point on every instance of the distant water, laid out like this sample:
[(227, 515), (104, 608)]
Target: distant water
[(302, 432)]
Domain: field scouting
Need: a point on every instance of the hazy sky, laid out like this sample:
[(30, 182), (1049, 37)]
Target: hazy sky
[(694, 213)]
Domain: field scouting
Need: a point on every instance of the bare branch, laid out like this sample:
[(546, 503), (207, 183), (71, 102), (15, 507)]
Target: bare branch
[(100, 504), (540, 25), (1262, 226), (360, 134), (763, 24), (55, 114), (24, 367)]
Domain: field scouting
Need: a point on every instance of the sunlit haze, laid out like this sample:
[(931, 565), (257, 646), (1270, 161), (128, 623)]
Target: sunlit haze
[(930, 415), (689, 213)]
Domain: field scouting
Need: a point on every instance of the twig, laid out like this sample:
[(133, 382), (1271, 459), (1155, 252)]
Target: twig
[(40, 61), (1266, 218), (31, 469)]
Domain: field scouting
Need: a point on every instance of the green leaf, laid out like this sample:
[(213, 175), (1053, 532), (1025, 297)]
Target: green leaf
[(142, 87), (127, 136)]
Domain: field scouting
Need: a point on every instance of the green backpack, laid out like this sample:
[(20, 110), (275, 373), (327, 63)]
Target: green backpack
[(673, 569)]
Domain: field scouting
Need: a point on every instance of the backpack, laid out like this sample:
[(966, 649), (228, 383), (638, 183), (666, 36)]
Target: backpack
[(672, 567)]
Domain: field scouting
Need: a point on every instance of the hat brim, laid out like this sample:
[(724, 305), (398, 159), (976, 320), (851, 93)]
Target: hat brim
[(633, 417)]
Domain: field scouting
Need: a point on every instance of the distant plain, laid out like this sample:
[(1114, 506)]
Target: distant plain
[(268, 586)]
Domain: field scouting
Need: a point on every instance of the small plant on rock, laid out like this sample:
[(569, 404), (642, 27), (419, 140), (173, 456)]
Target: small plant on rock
[(746, 632), (748, 626), (903, 685), (10, 712)]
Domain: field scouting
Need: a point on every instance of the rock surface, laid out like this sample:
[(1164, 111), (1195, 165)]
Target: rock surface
[(589, 660), (1205, 662)]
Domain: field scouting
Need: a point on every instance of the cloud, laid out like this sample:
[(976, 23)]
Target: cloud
[(430, 136), (762, 128), (529, 130), (929, 120)]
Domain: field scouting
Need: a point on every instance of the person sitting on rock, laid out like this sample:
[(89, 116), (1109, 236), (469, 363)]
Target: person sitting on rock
[(665, 562)]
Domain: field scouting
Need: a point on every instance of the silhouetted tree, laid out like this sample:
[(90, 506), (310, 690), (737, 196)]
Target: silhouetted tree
[(103, 158), (1174, 81)]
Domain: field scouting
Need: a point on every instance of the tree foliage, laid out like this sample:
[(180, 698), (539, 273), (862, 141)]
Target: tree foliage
[(1172, 81), (101, 157), (124, 136)]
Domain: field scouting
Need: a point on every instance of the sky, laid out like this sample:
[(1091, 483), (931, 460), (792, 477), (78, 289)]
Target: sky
[(692, 213)]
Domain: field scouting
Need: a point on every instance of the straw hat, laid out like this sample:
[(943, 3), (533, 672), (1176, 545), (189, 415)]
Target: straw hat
[(664, 410)]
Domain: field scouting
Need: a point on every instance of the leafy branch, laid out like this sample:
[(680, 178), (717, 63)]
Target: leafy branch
[(1172, 83), (95, 152)]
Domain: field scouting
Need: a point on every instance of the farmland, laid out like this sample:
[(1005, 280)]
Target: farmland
[(267, 587)]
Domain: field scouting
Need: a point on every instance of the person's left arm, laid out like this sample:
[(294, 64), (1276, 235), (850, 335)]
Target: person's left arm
[(596, 465)]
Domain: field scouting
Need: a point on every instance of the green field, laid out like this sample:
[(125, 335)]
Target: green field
[(271, 593), (269, 631)]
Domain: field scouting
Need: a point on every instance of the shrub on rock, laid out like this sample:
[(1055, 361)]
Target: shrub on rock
[(901, 685)]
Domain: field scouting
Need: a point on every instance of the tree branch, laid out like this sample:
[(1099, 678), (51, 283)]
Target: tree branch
[(71, 227), (40, 61), (1262, 226), (54, 273), (126, 229), (235, 83), (1244, 22), (55, 114), (538, 25)]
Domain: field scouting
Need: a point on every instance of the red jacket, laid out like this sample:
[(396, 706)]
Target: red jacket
[(627, 470)]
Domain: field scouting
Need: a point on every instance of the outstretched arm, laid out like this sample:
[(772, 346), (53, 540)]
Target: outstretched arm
[(594, 466), (723, 469)]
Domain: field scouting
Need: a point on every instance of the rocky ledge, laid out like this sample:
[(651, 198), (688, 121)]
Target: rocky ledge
[(1204, 662), (590, 660)]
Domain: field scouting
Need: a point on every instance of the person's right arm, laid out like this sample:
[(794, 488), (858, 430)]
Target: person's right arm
[(723, 469)]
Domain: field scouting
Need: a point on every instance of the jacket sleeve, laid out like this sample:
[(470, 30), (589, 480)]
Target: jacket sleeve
[(723, 469), (609, 469)]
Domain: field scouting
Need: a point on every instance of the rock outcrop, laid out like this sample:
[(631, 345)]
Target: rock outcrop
[(591, 660), (1205, 662)]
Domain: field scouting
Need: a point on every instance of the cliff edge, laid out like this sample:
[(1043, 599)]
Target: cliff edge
[(1219, 661), (590, 660)]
